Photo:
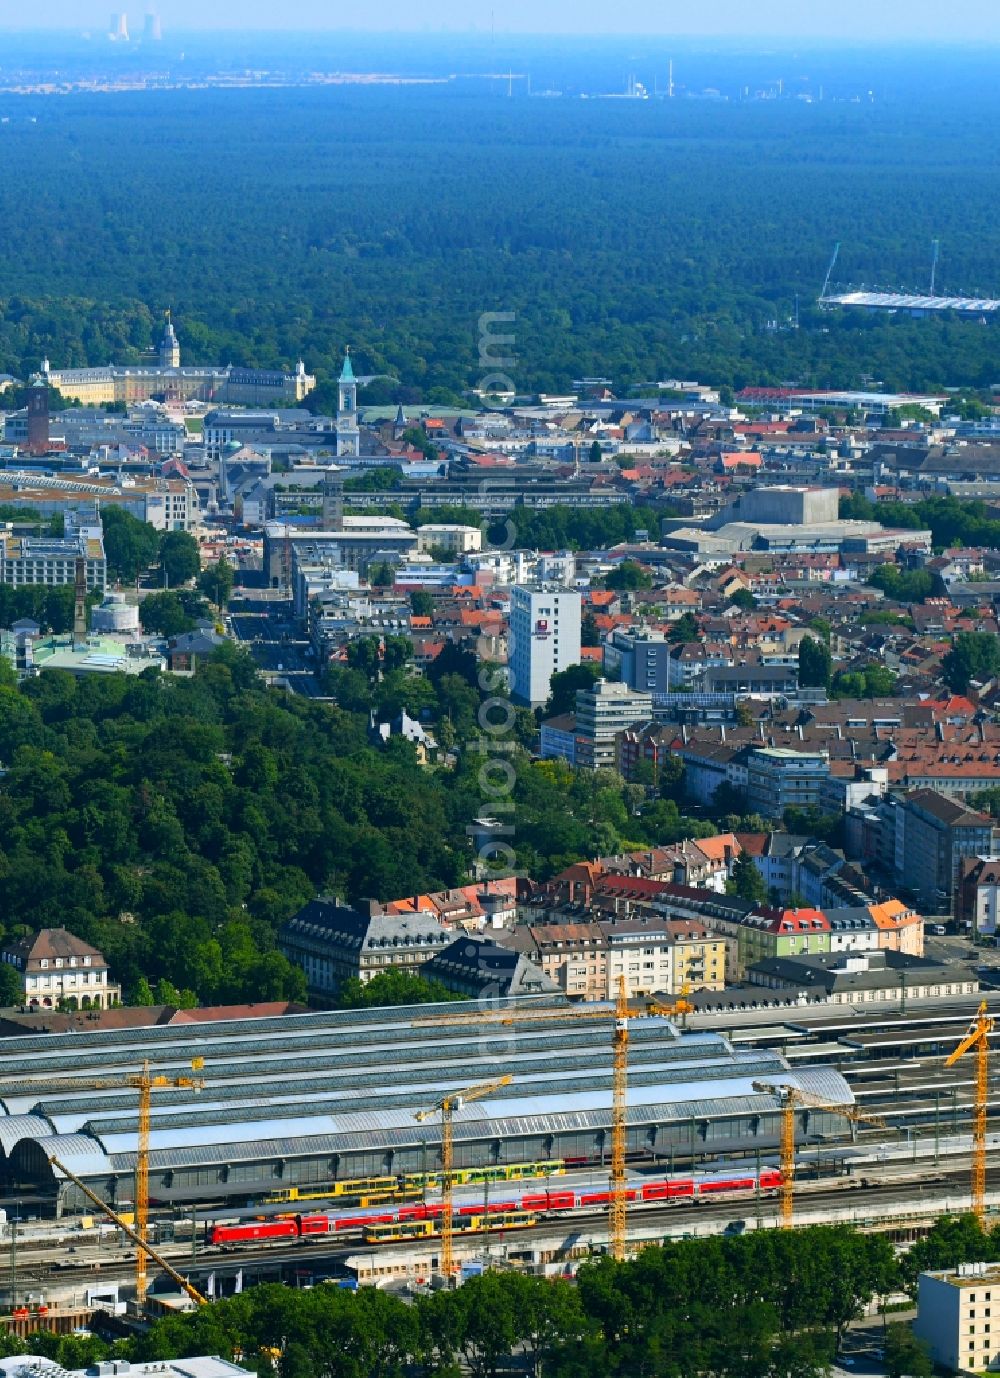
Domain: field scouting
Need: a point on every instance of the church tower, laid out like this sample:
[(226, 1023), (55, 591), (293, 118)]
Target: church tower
[(170, 350), (348, 435)]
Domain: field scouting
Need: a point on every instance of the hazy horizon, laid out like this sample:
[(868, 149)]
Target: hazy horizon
[(851, 23)]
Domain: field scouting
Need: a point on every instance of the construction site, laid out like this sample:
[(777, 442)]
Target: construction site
[(401, 1142)]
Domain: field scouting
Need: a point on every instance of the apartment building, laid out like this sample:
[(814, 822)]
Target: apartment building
[(333, 942), (653, 953), (602, 713), (544, 638), (958, 1316), (934, 835), (639, 659), (779, 778)]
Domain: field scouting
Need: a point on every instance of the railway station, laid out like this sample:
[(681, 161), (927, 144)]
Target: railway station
[(309, 1101), (323, 1132)]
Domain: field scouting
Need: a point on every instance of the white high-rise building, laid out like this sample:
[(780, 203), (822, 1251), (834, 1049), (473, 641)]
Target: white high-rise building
[(544, 637)]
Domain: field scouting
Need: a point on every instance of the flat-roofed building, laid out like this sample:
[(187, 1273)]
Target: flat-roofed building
[(958, 1317)]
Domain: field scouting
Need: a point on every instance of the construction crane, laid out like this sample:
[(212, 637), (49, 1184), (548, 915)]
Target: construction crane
[(145, 1083), (978, 1038), (793, 1098), (143, 1246), (621, 1013), (446, 1108)]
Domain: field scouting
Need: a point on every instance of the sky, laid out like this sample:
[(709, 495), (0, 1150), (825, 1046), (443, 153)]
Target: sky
[(847, 21)]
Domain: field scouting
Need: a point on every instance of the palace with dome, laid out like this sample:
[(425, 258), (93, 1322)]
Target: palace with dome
[(167, 381)]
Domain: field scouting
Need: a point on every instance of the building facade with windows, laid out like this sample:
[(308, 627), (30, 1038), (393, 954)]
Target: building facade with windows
[(334, 942), (51, 560), (958, 1316), (57, 968), (779, 778), (602, 713), (544, 638)]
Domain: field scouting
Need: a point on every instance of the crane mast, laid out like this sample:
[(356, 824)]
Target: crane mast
[(145, 1083), (618, 1228), (446, 1108), (793, 1098), (621, 1013), (978, 1040)]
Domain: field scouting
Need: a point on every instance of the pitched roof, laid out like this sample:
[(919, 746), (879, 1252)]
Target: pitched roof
[(53, 943)]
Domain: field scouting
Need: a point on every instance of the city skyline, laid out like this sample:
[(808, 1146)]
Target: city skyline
[(853, 21)]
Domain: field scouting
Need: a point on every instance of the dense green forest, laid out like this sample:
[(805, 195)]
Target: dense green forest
[(639, 240), (176, 822)]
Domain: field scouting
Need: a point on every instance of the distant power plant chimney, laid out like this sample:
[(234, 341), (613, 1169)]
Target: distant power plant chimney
[(80, 605), (38, 418)]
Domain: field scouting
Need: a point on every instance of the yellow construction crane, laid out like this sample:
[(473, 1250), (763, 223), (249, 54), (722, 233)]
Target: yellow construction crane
[(978, 1038), (621, 1013), (145, 1083), (794, 1098), (446, 1108), (143, 1246)]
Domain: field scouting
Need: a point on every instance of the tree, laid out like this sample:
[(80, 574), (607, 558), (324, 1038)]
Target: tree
[(179, 558), (216, 582), (130, 545), (420, 440), (905, 1355), (395, 986), (673, 775), (808, 821), (973, 656), (363, 655), (422, 603), (629, 575), (564, 684), (164, 614), (453, 659), (595, 453), (747, 882), (744, 599), (142, 993), (11, 989), (814, 663), (381, 575), (589, 633), (685, 628)]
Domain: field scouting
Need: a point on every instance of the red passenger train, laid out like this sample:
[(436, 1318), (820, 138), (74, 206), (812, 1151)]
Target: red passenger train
[(538, 1202)]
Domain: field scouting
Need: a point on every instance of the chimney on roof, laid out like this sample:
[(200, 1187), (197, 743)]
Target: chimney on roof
[(722, 731)]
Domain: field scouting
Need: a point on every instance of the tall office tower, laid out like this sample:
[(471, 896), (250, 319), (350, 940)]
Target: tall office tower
[(121, 33), (38, 419), (152, 30), (545, 638)]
